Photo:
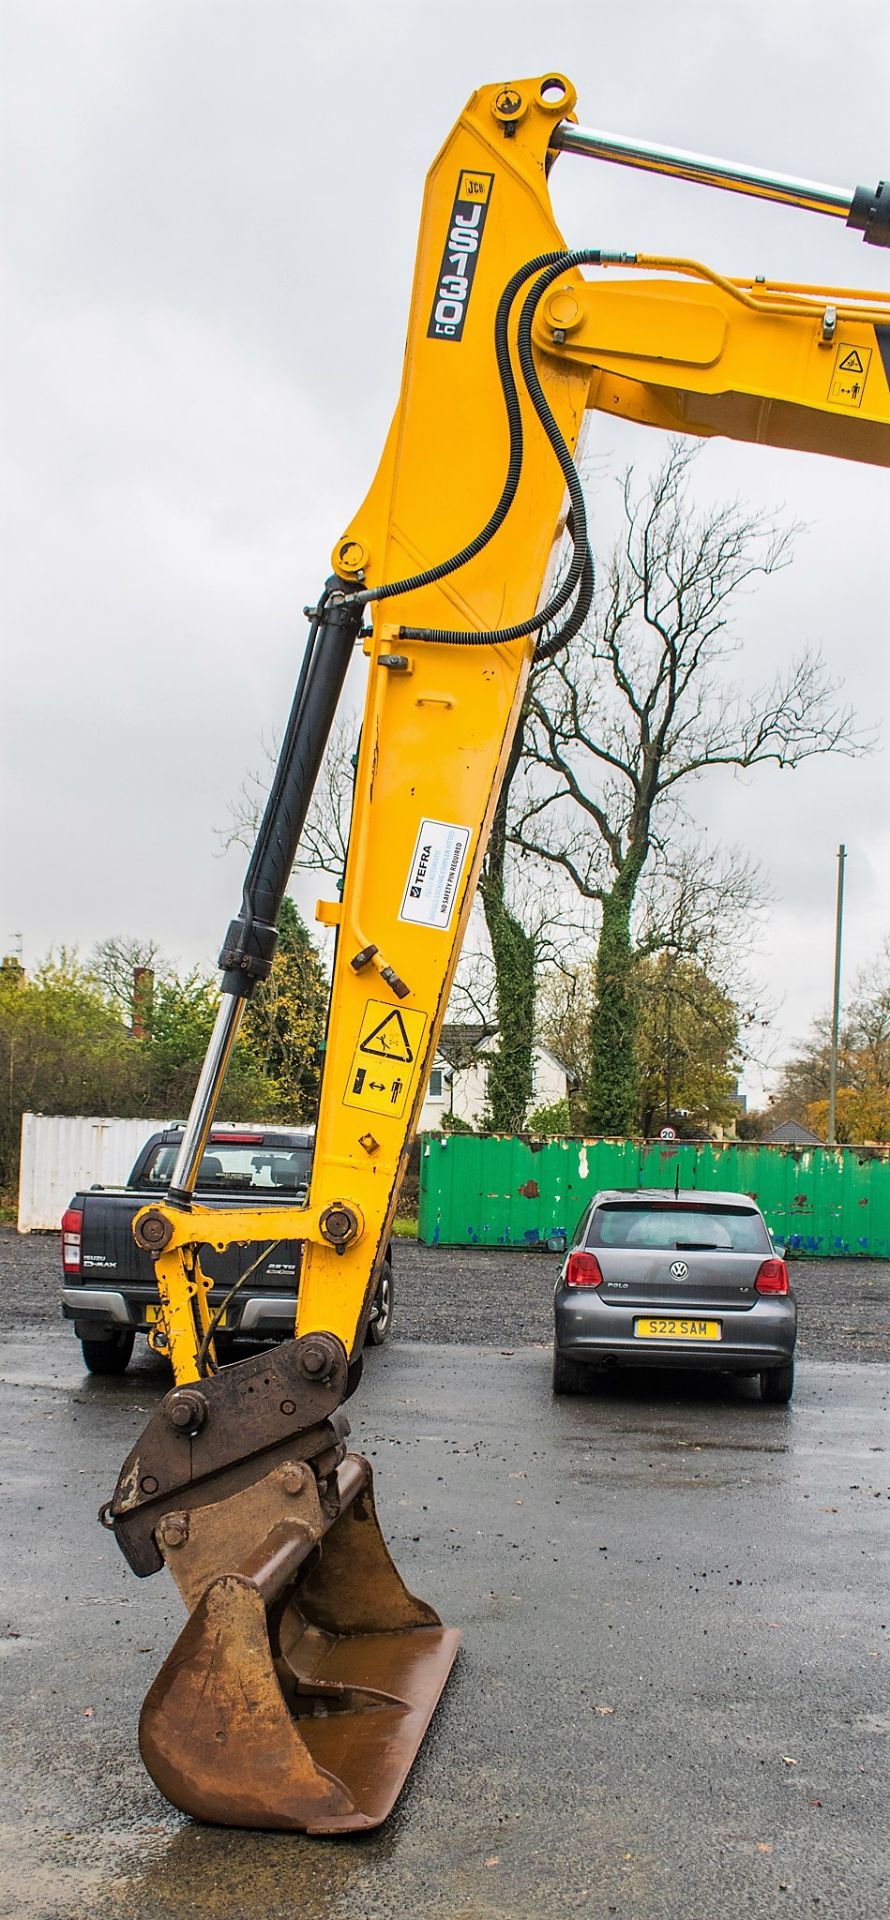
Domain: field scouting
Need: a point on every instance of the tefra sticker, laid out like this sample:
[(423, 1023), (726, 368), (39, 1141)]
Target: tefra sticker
[(434, 875)]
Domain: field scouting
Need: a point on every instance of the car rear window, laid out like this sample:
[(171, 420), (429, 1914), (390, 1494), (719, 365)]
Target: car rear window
[(678, 1228), (242, 1167)]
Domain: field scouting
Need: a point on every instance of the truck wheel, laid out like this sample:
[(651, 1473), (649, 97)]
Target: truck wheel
[(109, 1355), (378, 1328)]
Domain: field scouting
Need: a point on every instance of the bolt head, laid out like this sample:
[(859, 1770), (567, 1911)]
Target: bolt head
[(293, 1478), (186, 1410), (174, 1530)]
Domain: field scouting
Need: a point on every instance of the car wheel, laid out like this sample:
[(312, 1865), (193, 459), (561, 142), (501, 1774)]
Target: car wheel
[(777, 1385), (569, 1376), (384, 1300), (110, 1355)]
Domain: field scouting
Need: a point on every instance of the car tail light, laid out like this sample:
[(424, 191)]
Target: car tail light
[(583, 1270), (72, 1229), (236, 1140), (772, 1277)]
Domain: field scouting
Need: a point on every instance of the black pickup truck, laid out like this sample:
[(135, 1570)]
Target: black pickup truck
[(109, 1287)]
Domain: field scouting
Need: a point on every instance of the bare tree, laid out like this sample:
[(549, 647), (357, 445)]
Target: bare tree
[(637, 709), (863, 1063), (120, 964), (325, 835)]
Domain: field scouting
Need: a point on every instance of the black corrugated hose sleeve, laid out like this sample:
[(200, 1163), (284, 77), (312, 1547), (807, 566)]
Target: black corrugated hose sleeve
[(581, 568), (546, 649), (430, 575), (538, 398)]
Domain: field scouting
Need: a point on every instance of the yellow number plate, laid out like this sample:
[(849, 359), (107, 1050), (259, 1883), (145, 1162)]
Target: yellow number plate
[(153, 1313), (677, 1329)]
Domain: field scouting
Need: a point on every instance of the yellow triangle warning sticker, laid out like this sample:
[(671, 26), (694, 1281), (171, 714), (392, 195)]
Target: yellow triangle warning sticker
[(849, 375), (389, 1038), (387, 1059)]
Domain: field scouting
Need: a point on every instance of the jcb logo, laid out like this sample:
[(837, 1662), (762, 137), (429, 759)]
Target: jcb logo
[(474, 186)]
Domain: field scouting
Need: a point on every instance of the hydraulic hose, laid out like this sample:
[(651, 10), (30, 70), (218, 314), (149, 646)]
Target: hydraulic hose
[(581, 569)]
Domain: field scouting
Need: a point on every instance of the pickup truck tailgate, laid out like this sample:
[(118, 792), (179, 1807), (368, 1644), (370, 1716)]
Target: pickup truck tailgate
[(109, 1252)]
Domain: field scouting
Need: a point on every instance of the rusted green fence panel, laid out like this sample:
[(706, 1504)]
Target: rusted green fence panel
[(486, 1191)]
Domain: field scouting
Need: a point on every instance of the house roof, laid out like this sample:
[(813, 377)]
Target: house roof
[(459, 1041), (791, 1133)]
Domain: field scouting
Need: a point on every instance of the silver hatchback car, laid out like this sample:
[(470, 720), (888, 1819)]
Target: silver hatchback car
[(664, 1279)]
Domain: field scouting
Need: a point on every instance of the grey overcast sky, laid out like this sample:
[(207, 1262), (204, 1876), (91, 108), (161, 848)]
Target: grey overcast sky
[(209, 219)]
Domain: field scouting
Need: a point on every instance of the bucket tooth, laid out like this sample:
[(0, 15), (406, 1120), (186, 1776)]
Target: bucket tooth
[(300, 1689)]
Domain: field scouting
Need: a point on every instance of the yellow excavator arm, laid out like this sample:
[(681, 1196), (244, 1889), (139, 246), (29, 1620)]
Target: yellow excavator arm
[(447, 576)]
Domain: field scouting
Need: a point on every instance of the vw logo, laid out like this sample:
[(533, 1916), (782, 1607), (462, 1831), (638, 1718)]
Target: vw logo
[(679, 1269)]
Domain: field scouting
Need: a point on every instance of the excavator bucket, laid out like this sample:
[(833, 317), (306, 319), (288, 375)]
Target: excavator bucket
[(301, 1687)]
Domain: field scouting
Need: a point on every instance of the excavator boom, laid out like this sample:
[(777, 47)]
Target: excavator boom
[(305, 1677)]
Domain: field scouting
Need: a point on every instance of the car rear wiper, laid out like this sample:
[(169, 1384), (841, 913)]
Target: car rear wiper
[(698, 1246)]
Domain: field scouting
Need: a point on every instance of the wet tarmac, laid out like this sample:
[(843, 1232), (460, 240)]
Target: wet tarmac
[(671, 1696)]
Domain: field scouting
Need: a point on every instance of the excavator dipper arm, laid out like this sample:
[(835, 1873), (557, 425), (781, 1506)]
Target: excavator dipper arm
[(447, 573)]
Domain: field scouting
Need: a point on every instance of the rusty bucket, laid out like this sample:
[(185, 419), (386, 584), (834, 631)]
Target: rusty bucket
[(301, 1687)]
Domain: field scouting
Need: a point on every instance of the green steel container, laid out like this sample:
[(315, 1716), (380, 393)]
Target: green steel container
[(487, 1191)]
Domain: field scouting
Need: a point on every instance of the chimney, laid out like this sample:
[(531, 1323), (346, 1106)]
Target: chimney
[(143, 997)]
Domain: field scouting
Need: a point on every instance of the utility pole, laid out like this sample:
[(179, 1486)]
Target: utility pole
[(669, 1045), (836, 1009)]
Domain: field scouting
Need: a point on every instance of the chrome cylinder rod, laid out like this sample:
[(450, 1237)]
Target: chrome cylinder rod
[(707, 172), (207, 1092)]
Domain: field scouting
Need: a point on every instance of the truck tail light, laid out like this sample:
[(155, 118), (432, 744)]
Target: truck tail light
[(772, 1277), (72, 1231), (583, 1270)]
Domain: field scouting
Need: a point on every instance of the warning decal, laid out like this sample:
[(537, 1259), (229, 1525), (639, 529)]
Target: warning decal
[(849, 375), (390, 1038), (388, 1045)]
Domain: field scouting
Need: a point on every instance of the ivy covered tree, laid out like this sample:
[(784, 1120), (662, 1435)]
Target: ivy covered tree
[(510, 1076), (625, 720), (689, 1035)]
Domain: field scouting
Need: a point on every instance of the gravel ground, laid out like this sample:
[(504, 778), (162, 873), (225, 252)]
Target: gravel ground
[(486, 1297)]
